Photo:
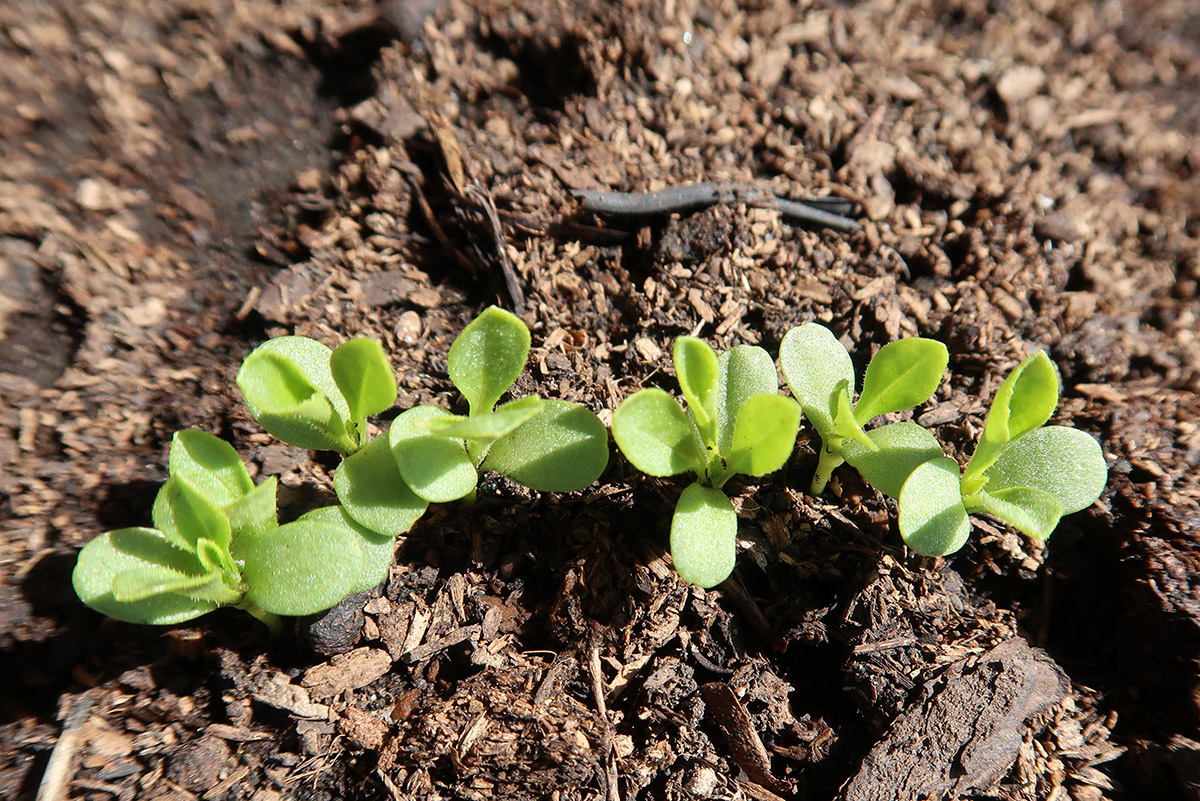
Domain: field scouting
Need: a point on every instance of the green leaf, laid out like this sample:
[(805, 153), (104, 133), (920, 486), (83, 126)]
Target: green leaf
[(487, 357), (372, 491), (1065, 462), (363, 375), (900, 448), (764, 435), (436, 467), (704, 536), (378, 549), (813, 362), (302, 567), (254, 514), (210, 465), (696, 369), (184, 515), (742, 372), (148, 580), (494, 425), (655, 434), (563, 448), (901, 375), (1024, 401), (1033, 511), (933, 520), (846, 427), (134, 550), (288, 385)]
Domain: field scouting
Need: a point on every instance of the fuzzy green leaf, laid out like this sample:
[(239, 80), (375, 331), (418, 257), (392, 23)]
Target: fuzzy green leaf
[(372, 491), (1065, 462), (899, 449), (813, 362), (1024, 401), (1033, 511), (743, 371), (487, 357), (436, 467), (764, 435), (901, 375), (134, 551), (563, 448), (506, 419), (289, 387), (302, 567), (697, 372), (846, 427), (379, 550), (655, 434), (184, 515), (704, 536), (255, 513), (210, 465), (363, 375), (933, 520)]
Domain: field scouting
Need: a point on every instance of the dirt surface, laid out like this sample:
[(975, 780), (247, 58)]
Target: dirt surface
[(180, 180)]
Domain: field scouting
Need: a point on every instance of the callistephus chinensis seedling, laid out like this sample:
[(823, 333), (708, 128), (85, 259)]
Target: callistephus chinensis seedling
[(1024, 472), (901, 375), (735, 422), (216, 541)]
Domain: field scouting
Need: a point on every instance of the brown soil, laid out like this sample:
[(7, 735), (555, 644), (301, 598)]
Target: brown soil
[(182, 179)]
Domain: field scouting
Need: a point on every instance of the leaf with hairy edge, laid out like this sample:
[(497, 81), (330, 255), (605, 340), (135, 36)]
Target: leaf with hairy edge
[(487, 357), (255, 513), (813, 363), (371, 489), (1033, 511), (933, 520), (184, 515), (704, 536), (563, 448), (656, 435), (900, 448), (696, 369), (210, 465), (900, 376), (1024, 401), (434, 466)]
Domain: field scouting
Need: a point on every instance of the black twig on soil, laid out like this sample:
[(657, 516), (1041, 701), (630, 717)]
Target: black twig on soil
[(826, 211)]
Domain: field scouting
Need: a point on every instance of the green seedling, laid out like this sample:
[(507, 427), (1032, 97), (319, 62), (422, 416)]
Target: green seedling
[(543, 443), (1023, 472), (216, 541), (901, 375), (735, 422)]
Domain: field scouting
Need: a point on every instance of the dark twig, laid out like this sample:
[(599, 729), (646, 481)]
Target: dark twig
[(690, 197)]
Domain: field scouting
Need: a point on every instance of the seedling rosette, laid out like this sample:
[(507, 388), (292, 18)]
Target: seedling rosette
[(735, 422)]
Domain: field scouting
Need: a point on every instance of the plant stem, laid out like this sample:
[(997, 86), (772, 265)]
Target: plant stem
[(826, 464), (272, 621)]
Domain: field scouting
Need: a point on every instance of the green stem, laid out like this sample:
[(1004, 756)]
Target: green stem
[(826, 464), (272, 621)]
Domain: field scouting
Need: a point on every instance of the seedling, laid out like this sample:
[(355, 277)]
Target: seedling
[(735, 422), (1024, 472), (901, 375), (216, 542)]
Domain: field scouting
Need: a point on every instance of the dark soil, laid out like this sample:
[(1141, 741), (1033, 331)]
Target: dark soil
[(180, 180)]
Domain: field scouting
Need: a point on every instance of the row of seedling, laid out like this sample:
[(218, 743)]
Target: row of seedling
[(216, 539)]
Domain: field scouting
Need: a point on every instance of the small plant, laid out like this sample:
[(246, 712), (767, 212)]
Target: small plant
[(1024, 472), (735, 422), (216, 542), (901, 375)]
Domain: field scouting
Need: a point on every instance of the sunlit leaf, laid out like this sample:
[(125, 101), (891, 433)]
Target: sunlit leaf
[(900, 449), (434, 466), (696, 370), (1065, 462), (1024, 401), (704, 536), (372, 491), (378, 549), (742, 372), (303, 567), (210, 465), (813, 363), (506, 419), (933, 520), (764, 435), (846, 427), (487, 357), (902, 374), (563, 448), (256, 512), (656, 435), (184, 515), (1033, 511), (363, 375)]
